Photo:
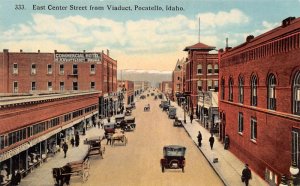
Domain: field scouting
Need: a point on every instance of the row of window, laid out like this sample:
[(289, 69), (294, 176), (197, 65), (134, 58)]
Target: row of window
[(211, 84), (50, 70), (210, 70), (24, 133), (50, 86), (275, 47), (271, 91), (253, 126)]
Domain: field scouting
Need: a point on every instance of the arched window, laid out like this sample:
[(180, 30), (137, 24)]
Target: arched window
[(223, 89), (216, 68), (253, 90), (241, 89), (296, 94), (271, 92), (209, 69), (199, 69), (230, 84)]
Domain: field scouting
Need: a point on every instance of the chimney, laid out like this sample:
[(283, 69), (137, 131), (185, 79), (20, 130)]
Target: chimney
[(287, 21), (5, 50), (249, 38), (55, 51), (83, 51), (39, 51), (226, 42), (21, 50), (107, 52)]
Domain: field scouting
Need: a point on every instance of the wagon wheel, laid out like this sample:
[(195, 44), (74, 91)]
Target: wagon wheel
[(182, 169), (87, 165), (126, 140)]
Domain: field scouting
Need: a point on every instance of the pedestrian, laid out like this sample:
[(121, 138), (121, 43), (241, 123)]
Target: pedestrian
[(246, 175), (226, 142), (98, 123), (191, 117), (65, 148), (16, 178), (108, 138), (77, 139), (72, 142), (211, 141), (199, 139)]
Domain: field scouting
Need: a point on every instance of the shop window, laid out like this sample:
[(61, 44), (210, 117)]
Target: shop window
[(271, 92)]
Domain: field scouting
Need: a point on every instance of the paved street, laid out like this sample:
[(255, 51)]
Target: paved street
[(138, 163)]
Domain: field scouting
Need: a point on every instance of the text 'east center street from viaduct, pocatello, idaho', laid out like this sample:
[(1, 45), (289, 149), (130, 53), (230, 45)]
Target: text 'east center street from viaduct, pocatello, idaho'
[(107, 7)]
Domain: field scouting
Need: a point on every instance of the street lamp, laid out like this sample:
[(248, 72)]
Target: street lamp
[(294, 170)]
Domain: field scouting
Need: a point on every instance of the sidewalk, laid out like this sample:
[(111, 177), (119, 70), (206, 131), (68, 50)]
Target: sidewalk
[(229, 168), (42, 175)]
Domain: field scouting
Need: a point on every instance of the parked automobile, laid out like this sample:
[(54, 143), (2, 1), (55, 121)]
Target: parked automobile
[(132, 105), (142, 97), (166, 106), (173, 157), (128, 124), (178, 122), (172, 112), (118, 119)]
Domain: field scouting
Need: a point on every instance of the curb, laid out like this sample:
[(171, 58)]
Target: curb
[(206, 157)]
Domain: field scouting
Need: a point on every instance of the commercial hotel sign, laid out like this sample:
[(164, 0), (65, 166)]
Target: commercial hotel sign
[(77, 57)]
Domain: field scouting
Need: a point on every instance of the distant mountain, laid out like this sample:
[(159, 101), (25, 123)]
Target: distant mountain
[(153, 76)]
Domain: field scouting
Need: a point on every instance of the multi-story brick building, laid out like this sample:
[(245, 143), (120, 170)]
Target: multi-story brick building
[(201, 75), (128, 87), (259, 100), (166, 88), (43, 94), (178, 78)]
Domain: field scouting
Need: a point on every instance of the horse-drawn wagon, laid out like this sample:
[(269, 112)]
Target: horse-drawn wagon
[(95, 147), (120, 137), (76, 168)]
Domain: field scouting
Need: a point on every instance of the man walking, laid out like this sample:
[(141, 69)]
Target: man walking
[(211, 141), (191, 117), (199, 138), (246, 175), (65, 148), (77, 139)]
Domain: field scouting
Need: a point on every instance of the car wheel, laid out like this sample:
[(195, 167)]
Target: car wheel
[(162, 169), (182, 169)]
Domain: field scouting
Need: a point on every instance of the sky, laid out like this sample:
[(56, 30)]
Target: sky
[(137, 39)]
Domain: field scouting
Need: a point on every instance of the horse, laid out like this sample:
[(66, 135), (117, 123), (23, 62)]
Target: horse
[(62, 175)]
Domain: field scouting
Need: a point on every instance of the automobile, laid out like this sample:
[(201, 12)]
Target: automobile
[(109, 127), (152, 94), (173, 157), (160, 96), (172, 112), (119, 118), (142, 97), (128, 113), (178, 122), (128, 124), (163, 102), (165, 106), (147, 108)]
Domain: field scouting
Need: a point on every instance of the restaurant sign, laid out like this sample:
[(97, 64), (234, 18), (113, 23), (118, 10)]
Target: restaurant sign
[(77, 57)]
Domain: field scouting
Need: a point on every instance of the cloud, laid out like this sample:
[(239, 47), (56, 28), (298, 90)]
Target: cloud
[(135, 43), (219, 19)]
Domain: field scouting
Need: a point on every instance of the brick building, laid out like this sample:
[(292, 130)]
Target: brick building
[(259, 100), (50, 93), (201, 73), (166, 88), (128, 87), (178, 78)]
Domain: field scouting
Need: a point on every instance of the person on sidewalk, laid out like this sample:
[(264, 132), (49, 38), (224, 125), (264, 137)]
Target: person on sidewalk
[(226, 142), (211, 141), (77, 139), (199, 139), (72, 142), (246, 175), (191, 117), (65, 148)]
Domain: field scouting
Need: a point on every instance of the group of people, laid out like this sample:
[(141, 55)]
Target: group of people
[(211, 140), (74, 142)]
